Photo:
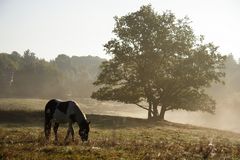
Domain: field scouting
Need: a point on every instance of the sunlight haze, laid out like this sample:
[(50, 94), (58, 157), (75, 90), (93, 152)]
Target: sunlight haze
[(81, 28)]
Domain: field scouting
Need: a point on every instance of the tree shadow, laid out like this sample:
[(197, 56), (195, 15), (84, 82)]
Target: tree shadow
[(12, 118), (114, 122), (21, 118)]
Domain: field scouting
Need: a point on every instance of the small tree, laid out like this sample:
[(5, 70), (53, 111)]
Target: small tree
[(159, 62)]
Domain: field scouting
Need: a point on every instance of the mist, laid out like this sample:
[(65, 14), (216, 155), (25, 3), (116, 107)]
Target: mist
[(224, 119), (226, 116), (226, 95)]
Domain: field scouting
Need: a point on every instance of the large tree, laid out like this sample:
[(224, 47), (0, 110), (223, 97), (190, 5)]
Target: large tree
[(158, 63)]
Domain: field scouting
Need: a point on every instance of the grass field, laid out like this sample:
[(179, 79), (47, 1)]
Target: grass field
[(111, 137)]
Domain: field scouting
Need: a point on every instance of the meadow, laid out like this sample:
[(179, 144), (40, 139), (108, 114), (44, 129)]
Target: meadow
[(112, 136)]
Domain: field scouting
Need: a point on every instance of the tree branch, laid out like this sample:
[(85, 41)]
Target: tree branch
[(143, 107)]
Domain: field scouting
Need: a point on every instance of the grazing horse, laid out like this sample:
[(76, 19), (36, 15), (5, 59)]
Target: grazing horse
[(57, 112)]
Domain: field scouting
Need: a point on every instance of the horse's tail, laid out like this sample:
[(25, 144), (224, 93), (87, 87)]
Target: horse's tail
[(49, 110)]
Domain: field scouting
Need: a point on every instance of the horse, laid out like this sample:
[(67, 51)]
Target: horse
[(57, 112)]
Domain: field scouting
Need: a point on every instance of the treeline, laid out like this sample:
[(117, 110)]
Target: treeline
[(28, 76)]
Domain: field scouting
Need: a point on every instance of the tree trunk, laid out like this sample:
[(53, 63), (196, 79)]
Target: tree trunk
[(155, 111), (162, 113), (150, 111)]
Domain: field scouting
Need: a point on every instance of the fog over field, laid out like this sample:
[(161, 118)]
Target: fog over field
[(224, 119), (31, 73), (226, 116), (123, 79)]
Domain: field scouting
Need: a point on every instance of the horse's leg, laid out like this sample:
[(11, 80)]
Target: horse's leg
[(47, 128), (73, 119), (72, 132), (55, 128), (68, 132)]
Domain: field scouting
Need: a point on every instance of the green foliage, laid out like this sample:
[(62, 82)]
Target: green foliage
[(78, 74), (158, 59), (29, 76), (8, 66)]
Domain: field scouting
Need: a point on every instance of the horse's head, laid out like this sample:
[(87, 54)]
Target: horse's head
[(84, 130)]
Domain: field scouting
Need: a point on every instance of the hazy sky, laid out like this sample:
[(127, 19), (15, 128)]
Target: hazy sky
[(78, 27)]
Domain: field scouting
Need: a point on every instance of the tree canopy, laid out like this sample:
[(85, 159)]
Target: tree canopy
[(159, 63)]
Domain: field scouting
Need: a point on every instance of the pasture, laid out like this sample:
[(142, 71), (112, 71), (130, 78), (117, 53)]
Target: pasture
[(111, 136)]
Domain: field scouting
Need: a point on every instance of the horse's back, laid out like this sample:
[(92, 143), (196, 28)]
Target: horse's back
[(66, 111), (61, 111), (51, 105), (64, 106)]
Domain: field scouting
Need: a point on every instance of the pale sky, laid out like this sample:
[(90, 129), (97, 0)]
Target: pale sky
[(78, 27)]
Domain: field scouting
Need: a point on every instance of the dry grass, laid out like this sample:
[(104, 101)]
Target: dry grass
[(161, 142), (112, 137)]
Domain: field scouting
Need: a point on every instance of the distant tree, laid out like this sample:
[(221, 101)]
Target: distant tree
[(232, 74), (158, 62), (8, 66), (35, 77), (78, 74), (63, 62), (86, 71)]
